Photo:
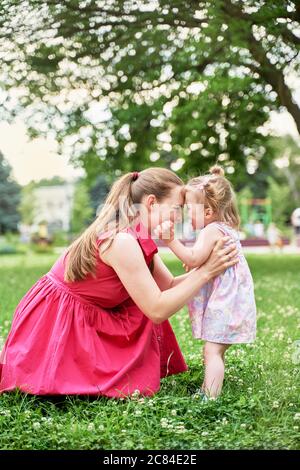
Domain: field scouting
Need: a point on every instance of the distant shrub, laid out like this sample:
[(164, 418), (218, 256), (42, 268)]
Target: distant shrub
[(8, 249), (39, 248)]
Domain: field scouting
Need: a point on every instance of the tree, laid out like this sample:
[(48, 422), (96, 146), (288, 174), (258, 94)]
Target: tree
[(27, 205), (98, 192), (54, 181), (284, 182), (286, 167), (9, 198), (82, 211), (175, 82), (281, 202)]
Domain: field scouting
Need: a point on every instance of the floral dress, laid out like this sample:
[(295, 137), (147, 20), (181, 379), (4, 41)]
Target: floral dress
[(224, 310)]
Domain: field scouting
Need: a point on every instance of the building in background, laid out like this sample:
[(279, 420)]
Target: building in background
[(53, 205)]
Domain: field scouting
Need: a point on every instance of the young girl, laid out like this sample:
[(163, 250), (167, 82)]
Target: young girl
[(224, 310)]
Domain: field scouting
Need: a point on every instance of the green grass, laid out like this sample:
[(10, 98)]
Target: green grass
[(259, 407)]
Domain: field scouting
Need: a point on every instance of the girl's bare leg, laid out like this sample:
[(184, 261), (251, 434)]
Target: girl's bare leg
[(214, 368)]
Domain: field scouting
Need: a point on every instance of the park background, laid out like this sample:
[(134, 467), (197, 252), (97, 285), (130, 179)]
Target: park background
[(92, 89)]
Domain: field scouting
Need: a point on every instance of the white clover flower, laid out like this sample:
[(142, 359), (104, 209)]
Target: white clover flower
[(297, 416), (101, 427), (180, 429), (173, 412), (91, 427), (204, 433), (36, 425), (164, 423)]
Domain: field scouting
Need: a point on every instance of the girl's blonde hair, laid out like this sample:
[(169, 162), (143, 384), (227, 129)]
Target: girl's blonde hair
[(118, 213), (216, 192)]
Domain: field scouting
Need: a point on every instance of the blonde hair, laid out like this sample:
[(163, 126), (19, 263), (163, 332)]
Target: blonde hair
[(216, 192), (118, 213)]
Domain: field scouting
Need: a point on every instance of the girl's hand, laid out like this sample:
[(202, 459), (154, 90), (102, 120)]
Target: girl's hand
[(221, 258), (165, 231)]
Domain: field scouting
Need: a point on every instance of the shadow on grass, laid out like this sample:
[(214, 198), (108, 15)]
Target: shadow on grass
[(179, 385)]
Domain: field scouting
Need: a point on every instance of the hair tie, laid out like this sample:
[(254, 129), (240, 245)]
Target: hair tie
[(204, 183), (135, 175)]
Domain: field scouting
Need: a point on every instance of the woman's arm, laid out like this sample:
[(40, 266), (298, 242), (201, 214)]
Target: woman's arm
[(163, 277), (126, 258), (196, 255)]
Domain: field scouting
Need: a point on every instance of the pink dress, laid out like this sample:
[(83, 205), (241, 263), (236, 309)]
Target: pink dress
[(224, 310), (87, 337)]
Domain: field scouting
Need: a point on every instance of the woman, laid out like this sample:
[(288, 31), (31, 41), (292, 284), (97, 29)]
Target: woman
[(97, 323)]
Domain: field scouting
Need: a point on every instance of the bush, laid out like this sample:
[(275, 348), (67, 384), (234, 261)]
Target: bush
[(39, 248), (61, 238), (8, 250)]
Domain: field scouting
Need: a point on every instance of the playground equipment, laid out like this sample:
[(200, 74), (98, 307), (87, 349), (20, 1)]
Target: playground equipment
[(256, 210)]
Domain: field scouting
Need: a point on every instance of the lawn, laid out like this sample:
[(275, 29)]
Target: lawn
[(259, 407)]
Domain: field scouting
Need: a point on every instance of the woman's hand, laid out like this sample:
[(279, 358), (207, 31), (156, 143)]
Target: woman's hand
[(221, 258)]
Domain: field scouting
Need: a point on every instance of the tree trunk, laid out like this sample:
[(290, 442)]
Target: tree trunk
[(275, 78)]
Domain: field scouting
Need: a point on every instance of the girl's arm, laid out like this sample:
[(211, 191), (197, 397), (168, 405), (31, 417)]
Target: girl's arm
[(196, 255), (126, 258)]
